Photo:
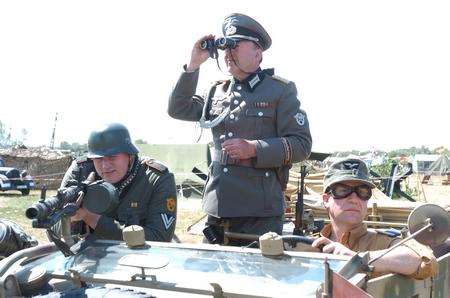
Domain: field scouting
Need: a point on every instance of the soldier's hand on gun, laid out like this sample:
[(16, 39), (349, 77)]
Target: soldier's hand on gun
[(91, 219), (79, 214), (83, 214), (332, 247), (198, 56), (239, 148)]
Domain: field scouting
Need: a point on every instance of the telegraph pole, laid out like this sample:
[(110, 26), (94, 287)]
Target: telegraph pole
[(52, 141)]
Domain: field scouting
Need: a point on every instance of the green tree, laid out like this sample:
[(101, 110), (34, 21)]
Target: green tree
[(140, 142), (4, 137), (76, 148)]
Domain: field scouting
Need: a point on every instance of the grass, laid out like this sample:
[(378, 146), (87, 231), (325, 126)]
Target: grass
[(13, 206)]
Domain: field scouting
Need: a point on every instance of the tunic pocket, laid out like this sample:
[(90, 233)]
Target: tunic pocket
[(131, 216), (263, 121), (270, 187)]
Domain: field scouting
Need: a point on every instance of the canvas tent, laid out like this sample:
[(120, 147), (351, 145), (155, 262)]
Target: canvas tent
[(422, 162), (181, 159), (440, 167)]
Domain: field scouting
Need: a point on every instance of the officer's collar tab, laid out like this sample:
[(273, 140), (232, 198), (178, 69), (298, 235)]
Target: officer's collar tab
[(254, 79)]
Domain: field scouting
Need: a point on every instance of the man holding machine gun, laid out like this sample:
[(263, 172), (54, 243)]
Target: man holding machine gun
[(258, 128), (147, 191)]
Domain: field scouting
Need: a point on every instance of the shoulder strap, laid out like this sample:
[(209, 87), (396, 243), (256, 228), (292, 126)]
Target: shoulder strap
[(280, 79), (154, 164)]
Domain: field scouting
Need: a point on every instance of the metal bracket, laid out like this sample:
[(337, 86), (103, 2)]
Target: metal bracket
[(218, 292)]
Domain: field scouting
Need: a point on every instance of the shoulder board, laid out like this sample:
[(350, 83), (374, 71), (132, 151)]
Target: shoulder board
[(154, 164), (81, 159), (280, 79), (389, 232)]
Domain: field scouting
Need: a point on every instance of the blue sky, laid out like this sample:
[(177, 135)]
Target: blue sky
[(370, 74)]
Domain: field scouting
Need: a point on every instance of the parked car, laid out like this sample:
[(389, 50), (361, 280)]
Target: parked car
[(14, 179)]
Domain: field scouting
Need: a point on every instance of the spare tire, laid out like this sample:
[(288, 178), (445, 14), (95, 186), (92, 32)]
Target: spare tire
[(8, 241), (13, 238)]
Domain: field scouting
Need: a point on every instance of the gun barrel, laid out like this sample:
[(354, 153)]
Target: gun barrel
[(33, 211), (43, 209)]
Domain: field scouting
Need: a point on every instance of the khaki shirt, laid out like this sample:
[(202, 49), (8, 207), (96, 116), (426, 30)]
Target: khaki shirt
[(362, 239)]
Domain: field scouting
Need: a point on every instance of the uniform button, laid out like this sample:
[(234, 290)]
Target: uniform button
[(236, 102), (238, 87), (232, 116), (230, 134), (260, 114), (225, 170), (267, 174)]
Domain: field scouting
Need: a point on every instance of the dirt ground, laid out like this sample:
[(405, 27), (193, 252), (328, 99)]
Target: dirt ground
[(432, 192)]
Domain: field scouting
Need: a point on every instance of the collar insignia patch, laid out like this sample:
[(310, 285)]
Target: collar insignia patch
[(255, 80)]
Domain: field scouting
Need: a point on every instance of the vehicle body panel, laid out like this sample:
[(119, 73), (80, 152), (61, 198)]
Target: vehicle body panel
[(172, 270)]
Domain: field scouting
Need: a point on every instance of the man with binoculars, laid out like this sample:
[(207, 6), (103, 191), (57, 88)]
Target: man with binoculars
[(258, 129)]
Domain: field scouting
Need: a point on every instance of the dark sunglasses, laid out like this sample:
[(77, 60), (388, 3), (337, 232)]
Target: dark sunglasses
[(340, 191)]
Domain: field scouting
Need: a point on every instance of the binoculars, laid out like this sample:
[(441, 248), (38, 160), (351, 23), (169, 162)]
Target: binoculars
[(220, 43), (212, 45)]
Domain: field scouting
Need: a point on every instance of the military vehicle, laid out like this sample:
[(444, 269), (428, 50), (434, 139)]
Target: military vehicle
[(96, 268), (14, 179)]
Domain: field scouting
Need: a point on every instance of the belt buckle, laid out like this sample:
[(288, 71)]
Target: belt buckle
[(225, 159)]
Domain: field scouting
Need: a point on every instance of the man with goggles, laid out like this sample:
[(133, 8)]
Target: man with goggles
[(347, 190), (257, 125)]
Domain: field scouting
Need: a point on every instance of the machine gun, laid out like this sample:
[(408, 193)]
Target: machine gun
[(299, 225), (48, 211), (99, 197)]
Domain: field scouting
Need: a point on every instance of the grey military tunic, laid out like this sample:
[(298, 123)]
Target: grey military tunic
[(263, 108), (148, 199)]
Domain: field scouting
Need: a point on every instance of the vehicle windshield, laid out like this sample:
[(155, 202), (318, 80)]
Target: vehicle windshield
[(236, 272)]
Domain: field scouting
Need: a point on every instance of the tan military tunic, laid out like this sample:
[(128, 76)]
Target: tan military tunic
[(362, 239), (264, 108)]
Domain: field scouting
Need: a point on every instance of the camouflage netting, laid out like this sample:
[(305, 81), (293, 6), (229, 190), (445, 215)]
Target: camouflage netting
[(45, 165)]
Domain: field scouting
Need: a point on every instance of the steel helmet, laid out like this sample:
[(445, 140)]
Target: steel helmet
[(111, 139)]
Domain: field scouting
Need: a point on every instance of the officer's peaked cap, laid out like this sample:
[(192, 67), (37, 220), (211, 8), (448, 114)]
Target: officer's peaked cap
[(242, 27)]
